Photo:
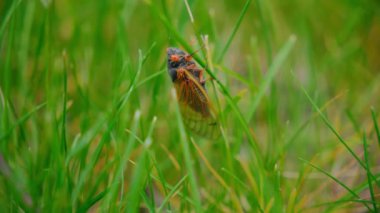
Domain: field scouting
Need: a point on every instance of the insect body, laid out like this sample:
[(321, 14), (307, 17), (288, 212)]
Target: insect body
[(191, 93)]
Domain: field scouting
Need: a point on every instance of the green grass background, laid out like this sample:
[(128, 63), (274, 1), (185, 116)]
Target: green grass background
[(88, 121)]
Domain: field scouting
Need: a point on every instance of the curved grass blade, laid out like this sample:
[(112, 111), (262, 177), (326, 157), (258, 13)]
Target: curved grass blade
[(333, 130), (334, 203), (154, 75), (335, 180), (369, 174), (236, 27), (140, 173), (373, 113), (272, 72), (21, 121), (234, 197), (171, 193), (110, 125), (8, 16)]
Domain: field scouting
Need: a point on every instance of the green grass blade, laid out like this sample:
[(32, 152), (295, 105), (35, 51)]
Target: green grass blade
[(354, 122), (140, 174), (373, 113), (265, 29), (360, 188), (369, 173), (171, 193), (150, 206), (236, 76), (333, 130), (20, 121), (91, 202), (288, 144), (335, 180), (86, 171), (170, 187), (8, 16), (236, 27), (151, 77), (106, 136), (334, 203), (272, 72), (146, 144), (237, 179), (85, 140), (64, 104), (122, 166), (132, 200)]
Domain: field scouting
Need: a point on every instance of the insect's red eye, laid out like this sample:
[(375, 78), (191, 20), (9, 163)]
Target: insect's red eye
[(174, 58)]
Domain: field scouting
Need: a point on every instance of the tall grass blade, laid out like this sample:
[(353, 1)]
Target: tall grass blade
[(375, 123), (272, 71), (236, 27), (333, 130), (8, 16), (335, 180), (133, 197), (171, 193), (369, 173), (20, 121)]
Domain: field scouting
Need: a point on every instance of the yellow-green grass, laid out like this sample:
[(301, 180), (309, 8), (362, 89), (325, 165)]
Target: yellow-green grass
[(89, 119)]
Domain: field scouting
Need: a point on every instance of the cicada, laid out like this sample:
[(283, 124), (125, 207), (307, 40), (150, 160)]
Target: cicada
[(194, 102)]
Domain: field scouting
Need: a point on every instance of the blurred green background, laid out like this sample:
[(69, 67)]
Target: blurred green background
[(88, 122)]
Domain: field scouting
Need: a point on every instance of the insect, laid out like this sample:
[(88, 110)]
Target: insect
[(192, 96)]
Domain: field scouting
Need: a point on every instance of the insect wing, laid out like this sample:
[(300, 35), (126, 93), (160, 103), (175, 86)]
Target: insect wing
[(196, 110)]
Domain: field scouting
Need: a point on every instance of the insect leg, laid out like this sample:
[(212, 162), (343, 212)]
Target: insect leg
[(201, 78)]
